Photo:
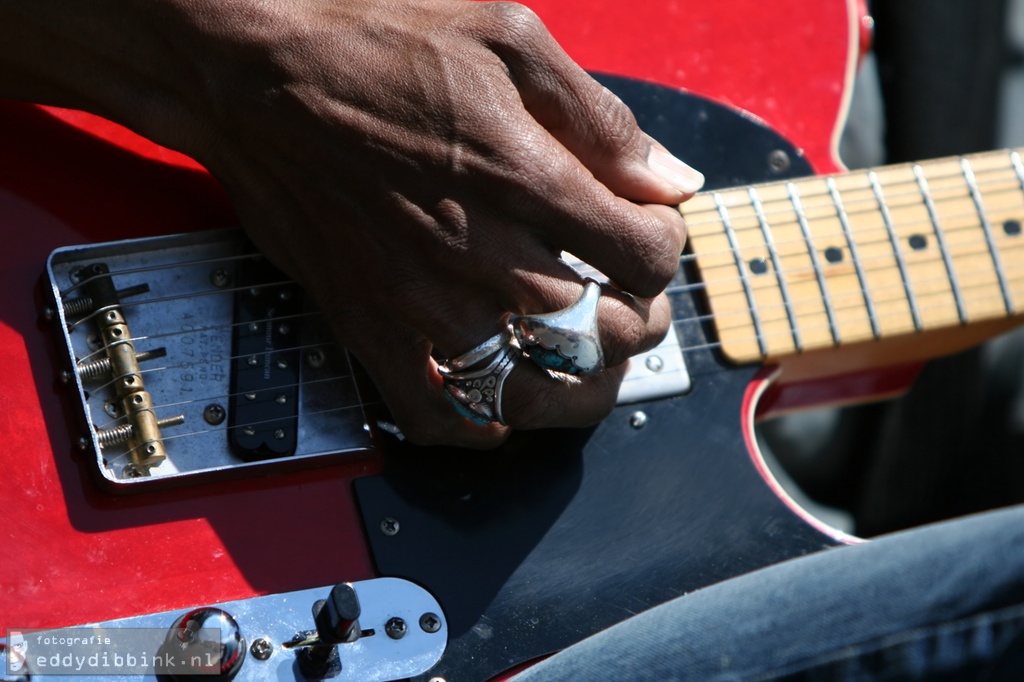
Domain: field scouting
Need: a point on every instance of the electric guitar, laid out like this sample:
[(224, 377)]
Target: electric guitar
[(794, 289)]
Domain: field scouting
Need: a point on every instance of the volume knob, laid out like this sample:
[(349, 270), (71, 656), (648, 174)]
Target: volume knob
[(205, 644)]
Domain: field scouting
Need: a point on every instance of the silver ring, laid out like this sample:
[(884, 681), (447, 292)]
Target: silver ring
[(476, 394), (566, 340), (481, 352)]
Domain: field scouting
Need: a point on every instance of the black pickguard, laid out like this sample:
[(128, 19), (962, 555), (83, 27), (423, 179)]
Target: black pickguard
[(561, 534)]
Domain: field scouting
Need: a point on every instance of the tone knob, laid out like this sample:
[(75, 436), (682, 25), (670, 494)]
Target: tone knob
[(206, 644)]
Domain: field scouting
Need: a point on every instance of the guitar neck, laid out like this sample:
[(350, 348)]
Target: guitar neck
[(825, 261)]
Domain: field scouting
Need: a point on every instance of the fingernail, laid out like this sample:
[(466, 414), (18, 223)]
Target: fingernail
[(673, 171)]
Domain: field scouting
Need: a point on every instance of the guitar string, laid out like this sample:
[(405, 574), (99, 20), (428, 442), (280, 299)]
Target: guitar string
[(691, 287), (196, 330), (839, 236), (898, 189), (167, 299), (163, 266), (114, 460), (350, 377), (192, 364), (112, 422)]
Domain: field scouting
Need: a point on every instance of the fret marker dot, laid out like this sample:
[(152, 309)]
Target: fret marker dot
[(758, 266), (834, 254), (918, 242), (1012, 227)]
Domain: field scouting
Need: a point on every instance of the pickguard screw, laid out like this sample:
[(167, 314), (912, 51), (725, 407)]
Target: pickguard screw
[(112, 409), (778, 160), (214, 414), (389, 526), (261, 649), (638, 420), (654, 363), (220, 278), (429, 622), (396, 628), (436, 679)]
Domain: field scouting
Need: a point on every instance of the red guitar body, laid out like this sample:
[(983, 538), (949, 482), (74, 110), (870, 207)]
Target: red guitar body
[(71, 553)]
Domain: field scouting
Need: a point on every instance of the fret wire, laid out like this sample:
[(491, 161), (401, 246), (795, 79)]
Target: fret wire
[(887, 218), (769, 241), (922, 183), (731, 235), (851, 244), (778, 333), (766, 308), (794, 196), (962, 252), (986, 226), (861, 233)]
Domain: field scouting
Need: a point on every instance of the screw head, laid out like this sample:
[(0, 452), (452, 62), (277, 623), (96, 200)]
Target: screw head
[(261, 649), (220, 278), (316, 358), (638, 419), (396, 628), (778, 160), (112, 409), (389, 526), (429, 622), (654, 363), (214, 414)]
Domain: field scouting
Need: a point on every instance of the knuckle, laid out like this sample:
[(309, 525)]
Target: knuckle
[(614, 120), (514, 19), (659, 255), (632, 331)]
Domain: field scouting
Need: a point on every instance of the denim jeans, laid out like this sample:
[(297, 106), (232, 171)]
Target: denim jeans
[(939, 602)]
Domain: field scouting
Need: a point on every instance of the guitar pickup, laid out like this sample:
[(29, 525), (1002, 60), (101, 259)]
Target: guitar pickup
[(264, 398)]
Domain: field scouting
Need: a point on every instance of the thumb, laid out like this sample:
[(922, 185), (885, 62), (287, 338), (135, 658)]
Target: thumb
[(590, 121)]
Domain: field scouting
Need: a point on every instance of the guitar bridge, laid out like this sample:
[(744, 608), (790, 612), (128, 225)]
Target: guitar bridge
[(193, 359)]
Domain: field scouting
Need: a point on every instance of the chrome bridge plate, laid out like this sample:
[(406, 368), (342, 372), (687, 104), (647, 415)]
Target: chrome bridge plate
[(177, 296)]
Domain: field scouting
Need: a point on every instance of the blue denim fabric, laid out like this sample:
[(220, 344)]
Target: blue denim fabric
[(939, 602)]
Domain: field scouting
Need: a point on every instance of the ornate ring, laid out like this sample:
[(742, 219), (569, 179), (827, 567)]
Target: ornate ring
[(476, 394), (481, 352), (566, 340)]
